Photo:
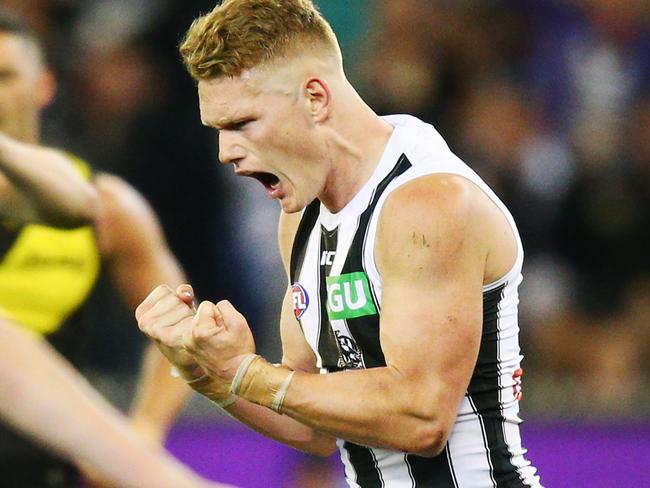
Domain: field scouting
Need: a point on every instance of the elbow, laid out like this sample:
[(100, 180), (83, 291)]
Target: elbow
[(430, 440)]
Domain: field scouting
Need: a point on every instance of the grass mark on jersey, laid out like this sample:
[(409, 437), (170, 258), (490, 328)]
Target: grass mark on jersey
[(348, 296)]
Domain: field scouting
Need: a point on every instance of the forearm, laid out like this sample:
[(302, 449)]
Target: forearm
[(48, 188), (43, 396), (263, 420), (377, 407), (282, 428), (160, 397)]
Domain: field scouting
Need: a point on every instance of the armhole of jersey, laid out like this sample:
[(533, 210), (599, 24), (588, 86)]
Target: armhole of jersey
[(515, 269), (299, 246)]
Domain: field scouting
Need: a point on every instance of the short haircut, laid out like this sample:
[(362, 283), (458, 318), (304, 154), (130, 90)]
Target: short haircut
[(240, 34), (15, 25)]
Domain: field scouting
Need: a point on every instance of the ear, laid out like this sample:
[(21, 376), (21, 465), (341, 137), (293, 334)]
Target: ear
[(45, 89), (319, 98)]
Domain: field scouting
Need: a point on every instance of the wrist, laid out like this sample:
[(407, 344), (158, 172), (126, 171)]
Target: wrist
[(189, 373), (261, 382), (215, 390)]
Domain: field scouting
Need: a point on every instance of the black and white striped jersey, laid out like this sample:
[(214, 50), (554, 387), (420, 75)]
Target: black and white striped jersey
[(337, 296)]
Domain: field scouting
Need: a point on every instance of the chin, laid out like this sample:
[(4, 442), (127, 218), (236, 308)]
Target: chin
[(291, 206)]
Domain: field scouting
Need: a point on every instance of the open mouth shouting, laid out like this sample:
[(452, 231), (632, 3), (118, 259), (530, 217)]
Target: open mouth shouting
[(269, 180)]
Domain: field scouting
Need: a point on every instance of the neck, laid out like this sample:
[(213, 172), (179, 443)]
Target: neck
[(29, 132), (357, 141)]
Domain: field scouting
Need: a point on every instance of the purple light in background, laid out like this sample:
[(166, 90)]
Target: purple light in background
[(590, 455), (568, 455)]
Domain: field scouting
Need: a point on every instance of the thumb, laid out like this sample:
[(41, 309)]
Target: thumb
[(186, 293)]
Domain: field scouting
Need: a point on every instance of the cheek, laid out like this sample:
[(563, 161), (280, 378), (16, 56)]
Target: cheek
[(15, 95)]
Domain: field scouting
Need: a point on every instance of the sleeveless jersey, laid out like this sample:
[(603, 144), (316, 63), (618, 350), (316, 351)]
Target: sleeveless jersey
[(337, 295), (46, 273)]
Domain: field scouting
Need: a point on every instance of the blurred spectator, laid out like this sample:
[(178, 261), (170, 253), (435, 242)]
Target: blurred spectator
[(545, 99)]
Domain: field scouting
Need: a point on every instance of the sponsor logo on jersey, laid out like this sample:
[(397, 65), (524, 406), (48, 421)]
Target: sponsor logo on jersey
[(327, 258), (300, 299), (348, 296)]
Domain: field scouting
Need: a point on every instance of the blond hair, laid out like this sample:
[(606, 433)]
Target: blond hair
[(241, 34)]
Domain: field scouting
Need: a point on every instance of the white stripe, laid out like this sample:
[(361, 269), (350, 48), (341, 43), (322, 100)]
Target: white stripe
[(393, 469), (451, 466), (350, 473), (485, 454), (408, 465)]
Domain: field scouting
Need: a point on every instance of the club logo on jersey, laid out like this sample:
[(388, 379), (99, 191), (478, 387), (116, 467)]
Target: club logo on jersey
[(517, 390), (350, 355), (348, 296), (300, 299)]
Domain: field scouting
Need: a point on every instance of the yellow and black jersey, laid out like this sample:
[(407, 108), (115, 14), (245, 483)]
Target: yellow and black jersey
[(46, 273)]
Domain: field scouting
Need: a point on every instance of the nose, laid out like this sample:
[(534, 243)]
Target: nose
[(229, 151)]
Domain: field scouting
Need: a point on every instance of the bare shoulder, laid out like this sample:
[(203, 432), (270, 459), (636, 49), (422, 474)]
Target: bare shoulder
[(428, 205), (125, 215), (440, 218), (287, 228), (120, 198)]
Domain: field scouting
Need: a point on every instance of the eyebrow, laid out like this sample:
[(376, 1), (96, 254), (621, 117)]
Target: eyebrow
[(229, 124)]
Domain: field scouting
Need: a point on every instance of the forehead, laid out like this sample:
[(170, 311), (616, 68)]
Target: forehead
[(224, 99), (18, 51)]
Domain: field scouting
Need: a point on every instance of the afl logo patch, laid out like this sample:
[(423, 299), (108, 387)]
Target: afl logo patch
[(300, 299)]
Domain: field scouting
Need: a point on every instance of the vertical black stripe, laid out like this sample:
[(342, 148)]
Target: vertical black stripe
[(356, 249), (365, 330), (307, 222), (328, 346), (484, 390), (365, 465), (432, 472)]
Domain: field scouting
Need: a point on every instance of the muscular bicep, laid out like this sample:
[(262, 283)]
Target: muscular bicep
[(296, 352), (432, 266)]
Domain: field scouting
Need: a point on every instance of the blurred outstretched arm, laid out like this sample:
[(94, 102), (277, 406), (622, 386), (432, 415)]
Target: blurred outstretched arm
[(44, 397), (41, 185)]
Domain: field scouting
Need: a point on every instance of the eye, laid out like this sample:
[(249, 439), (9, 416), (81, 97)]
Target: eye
[(241, 124), (7, 74)]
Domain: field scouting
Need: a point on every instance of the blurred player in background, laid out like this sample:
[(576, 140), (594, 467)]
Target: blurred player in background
[(44, 397), (47, 273), (399, 326)]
